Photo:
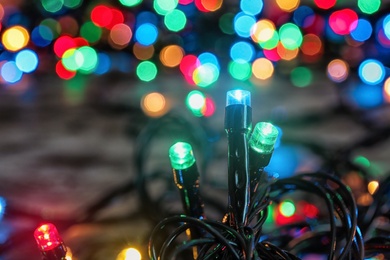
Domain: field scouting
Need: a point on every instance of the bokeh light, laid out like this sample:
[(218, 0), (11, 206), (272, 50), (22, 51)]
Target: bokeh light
[(343, 21), (262, 68), (130, 3), (163, 7), (311, 45), (142, 52), (288, 5), (15, 38), (146, 71), (325, 4), (42, 36), (101, 15), (62, 72), (195, 102), (304, 16), (129, 254), (251, 7), (171, 55), (154, 104), (386, 90), (242, 51), (90, 32), (175, 20), (362, 31), (120, 35), (337, 70), (263, 31), (371, 71), (26, 61), (290, 36), (243, 24), (10, 72), (369, 6), (146, 34), (287, 208), (52, 6), (301, 77), (240, 70)]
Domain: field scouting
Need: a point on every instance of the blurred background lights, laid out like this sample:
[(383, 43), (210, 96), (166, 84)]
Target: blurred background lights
[(371, 72), (285, 53), (171, 55), (369, 6), (163, 7), (101, 15), (209, 108), (240, 70), (103, 64), (290, 36), (337, 70), (225, 23), (262, 68), (386, 26), (242, 51), (121, 34), (288, 5), (386, 90), (175, 20), (90, 32), (72, 59), (205, 75), (303, 16), (41, 36), (301, 77), (362, 31), (62, 72), (2, 207), (146, 71), (263, 31), (15, 38), (10, 72), (130, 3), (287, 208), (251, 7), (343, 21), (311, 45), (154, 104), (325, 4), (72, 3), (208, 57), (129, 254), (146, 34), (142, 52), (52, 6), (243, 24), (372, 187), (195, 100), (90, 59), (26, 61), (367, 96)]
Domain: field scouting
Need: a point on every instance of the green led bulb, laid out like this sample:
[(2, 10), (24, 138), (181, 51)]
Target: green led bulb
[(181, 156), (263, 138)]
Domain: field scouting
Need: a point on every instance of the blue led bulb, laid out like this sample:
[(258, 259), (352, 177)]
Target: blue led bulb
[(238, 97)]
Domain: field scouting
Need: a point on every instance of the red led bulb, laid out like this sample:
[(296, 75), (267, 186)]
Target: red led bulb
[(49, 241)]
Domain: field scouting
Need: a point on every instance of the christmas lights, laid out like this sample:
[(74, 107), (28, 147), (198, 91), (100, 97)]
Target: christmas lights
[(238, 123), (186, 177), (261, 146), (2, 207), (50, 242)]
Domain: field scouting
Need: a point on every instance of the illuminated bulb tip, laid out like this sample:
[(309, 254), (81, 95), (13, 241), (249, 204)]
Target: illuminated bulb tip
[(264, 137), (238, 97), (181, 156), (47, 237)]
